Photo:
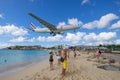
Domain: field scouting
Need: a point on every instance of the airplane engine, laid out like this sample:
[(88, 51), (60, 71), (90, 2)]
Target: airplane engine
[(60, 32)]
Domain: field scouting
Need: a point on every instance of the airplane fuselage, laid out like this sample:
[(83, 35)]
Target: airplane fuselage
[(59, 29)]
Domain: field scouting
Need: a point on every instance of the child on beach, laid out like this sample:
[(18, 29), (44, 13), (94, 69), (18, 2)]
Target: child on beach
[(51, 60), (59, 56), (68, 53), (98, 52), (74, 53)]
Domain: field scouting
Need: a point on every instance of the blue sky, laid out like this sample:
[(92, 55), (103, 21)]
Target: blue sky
[(99, 19)]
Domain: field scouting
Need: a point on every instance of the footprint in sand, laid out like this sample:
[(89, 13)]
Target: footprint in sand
[(26, 76), (38, 75)]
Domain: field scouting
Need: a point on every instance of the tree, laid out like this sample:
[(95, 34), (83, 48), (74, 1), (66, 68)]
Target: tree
[(100, 45)]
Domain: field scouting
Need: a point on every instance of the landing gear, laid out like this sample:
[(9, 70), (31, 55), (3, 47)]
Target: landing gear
[(51, 32), (59, 33), (54, 34)]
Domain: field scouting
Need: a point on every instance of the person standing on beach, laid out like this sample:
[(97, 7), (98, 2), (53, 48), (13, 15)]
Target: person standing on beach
[(59, 56), (74, 53), (68, 53), (51, 60), (98, 52), (64, 63)]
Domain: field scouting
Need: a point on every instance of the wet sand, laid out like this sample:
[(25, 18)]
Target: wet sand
[(83, 67)]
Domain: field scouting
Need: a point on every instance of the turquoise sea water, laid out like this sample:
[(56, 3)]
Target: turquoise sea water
[(13, 59)]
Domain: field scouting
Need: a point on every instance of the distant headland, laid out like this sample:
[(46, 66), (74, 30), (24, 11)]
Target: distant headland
[(24, 48), (104, 48)]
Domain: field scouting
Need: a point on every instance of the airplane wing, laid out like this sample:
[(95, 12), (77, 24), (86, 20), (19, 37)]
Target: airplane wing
[(48, 25)]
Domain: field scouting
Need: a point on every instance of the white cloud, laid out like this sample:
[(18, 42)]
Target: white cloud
[(117, 41), (61, 24), (102, 37), (91, 37), (74, 21), (12, 30), (71, 22), (41, 39), (103, 22), (106, 19), (106, 36), (81, 37), (55, 38), (116, 25), (22, 39), (4, 45), (91, 25), (84, 2), (19, 39), (74, 38), (1, 16), (31, 40), (50, 38)]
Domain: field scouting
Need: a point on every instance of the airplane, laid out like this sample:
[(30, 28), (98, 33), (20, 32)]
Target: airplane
[(50, 28)]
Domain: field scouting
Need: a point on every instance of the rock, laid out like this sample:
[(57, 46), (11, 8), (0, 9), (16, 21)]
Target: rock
[(111, 61)]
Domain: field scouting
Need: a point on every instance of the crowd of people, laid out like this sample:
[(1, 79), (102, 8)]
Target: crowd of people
[(63, 55)]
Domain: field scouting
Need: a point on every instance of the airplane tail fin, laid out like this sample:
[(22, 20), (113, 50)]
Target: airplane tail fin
[(32, 27)]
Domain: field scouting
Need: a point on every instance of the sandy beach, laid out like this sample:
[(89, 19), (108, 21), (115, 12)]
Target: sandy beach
[(83, 67)]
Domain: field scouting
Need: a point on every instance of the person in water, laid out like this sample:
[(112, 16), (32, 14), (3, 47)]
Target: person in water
[(5, 60), (51, 60), (64, 63)]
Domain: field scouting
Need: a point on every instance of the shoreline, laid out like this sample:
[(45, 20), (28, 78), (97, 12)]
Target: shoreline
[(79, 68), (15, 67), (27, 71)]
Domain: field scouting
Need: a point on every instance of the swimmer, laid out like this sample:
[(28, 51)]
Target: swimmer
[(5, 60)]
